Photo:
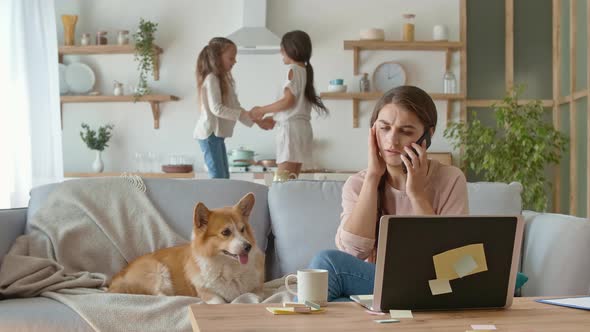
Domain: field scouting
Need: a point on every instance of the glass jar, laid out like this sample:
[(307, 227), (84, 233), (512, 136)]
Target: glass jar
[(123, 37), (449, 83), (101, 38), (85, 39), (364, 83), (408, 27)]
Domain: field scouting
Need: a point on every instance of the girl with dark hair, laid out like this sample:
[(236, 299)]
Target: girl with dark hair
[(292, 112), (220, 108), (401, 117)]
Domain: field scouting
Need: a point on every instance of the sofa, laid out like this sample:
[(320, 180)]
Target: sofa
[(294, 220)]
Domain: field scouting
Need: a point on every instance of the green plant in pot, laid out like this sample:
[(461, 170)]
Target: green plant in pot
[(518, 148), (97, 141), (145, 54)]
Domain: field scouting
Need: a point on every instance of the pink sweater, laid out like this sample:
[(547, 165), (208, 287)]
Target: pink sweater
[(445, 185)]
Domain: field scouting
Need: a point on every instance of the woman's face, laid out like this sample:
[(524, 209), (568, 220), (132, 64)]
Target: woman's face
[(228, 58), (395, 128)]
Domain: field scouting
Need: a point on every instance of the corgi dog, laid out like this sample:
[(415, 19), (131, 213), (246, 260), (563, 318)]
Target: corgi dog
[(220, 263)]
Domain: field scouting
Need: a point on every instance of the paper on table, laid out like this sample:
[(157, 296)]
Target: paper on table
[(465, 265), (483, 327), (401, 314), (440, 286), (365, 297), (444, 262), (572, 302)]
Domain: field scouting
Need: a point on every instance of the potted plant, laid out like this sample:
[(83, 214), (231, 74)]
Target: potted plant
[(519, 148), (97, 142), (145, 54)]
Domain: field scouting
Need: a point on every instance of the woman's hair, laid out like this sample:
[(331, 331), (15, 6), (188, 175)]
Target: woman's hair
[(209, 62), (297, 46), (411, 99)]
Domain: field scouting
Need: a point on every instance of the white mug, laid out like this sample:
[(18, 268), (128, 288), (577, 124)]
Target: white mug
[(440, 32), (312, 285)]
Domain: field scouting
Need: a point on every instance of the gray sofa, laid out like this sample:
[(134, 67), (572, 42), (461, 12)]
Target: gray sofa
[(295, 220)]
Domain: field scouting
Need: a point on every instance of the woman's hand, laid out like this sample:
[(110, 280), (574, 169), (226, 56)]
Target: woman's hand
[(417, 166), (376, 163)]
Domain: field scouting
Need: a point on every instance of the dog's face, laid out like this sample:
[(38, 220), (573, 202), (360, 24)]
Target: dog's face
[(225, 231)]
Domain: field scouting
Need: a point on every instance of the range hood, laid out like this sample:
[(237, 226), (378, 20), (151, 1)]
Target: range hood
[(254, 37)]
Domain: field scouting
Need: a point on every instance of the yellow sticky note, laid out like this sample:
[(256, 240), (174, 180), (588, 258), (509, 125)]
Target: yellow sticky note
[(444, 263), (401, 314), (440, 286), (291, 311)]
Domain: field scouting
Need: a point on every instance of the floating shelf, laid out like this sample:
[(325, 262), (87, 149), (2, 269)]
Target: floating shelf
[(108, 49), (448, 47), (397, 45), (154, 101), (377, 95), (143, 175), (356, 97)]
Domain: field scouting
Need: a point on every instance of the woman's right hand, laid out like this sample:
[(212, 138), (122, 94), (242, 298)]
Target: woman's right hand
[(376, 162)]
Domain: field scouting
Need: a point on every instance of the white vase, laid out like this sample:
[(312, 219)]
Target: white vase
[(98, 165)]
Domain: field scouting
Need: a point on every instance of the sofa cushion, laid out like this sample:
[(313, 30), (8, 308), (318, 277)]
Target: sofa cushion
[(39, 314), (494, 198), (305, 216), (175, 199), (555, 255)]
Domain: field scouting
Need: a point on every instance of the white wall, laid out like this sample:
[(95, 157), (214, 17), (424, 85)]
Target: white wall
[(184, 28)]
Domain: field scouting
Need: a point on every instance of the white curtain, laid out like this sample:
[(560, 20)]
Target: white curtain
[(30, 122)]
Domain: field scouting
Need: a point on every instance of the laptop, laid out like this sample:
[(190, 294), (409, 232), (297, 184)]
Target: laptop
[(445, 263)]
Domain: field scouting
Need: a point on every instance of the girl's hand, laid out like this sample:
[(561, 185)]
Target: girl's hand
[(417, 166), (256, 113), (266, 123), (376, 162)]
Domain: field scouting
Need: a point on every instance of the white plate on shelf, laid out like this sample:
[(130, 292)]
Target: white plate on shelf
[(80, 78), (63, 86)]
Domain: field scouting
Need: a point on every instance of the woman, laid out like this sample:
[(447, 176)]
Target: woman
[(401, 117)]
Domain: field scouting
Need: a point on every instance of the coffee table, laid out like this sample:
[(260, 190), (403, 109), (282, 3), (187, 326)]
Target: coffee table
[(524, 315)]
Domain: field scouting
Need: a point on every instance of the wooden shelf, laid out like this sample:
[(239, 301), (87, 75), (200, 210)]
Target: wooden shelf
[(377, 95), (120, 99), (396, 45), (108, 49), (356, 97), (154, 101), (143, 175)]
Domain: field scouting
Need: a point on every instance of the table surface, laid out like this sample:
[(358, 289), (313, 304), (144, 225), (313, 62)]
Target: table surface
[(524, 315)]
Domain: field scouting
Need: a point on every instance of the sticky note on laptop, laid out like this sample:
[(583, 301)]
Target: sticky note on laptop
[(397, 314), (447, 263), (440, 286)]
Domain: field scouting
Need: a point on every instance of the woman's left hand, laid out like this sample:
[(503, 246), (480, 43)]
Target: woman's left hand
[(417, 166)]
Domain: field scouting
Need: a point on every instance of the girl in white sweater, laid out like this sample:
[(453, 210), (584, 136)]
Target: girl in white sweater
[(220, 108)]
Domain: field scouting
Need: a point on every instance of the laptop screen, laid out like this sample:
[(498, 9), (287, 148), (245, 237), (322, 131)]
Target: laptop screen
[(480, 249)]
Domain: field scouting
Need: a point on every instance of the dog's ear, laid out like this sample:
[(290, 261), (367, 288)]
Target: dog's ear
[(246, 204), (201, 216)]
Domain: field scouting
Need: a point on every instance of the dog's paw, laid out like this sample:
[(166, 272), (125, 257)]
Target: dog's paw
[(216, 299)]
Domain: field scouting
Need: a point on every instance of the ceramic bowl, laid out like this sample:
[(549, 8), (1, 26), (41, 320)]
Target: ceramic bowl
[(336, 88), (372, 34)]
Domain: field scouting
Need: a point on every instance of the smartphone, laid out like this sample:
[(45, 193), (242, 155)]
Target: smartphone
[(425, 136)]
